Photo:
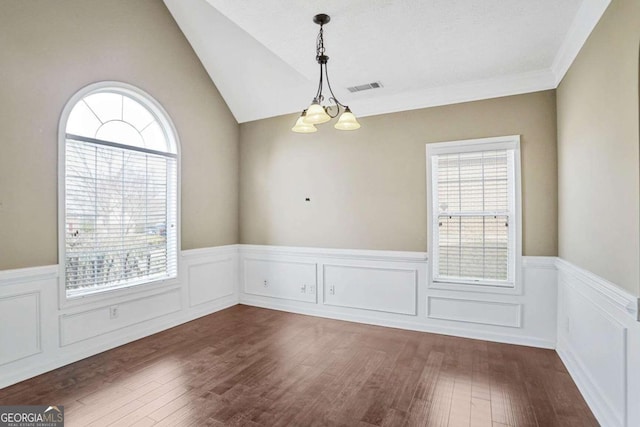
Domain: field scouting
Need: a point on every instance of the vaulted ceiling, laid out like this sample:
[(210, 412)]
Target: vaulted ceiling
[(261, 53)]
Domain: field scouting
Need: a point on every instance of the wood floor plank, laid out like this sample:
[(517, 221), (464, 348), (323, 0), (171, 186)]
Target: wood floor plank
[(247, 366), (151, 406)]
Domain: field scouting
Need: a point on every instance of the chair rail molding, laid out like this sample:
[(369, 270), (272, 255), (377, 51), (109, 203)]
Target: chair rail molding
[(613, 294)]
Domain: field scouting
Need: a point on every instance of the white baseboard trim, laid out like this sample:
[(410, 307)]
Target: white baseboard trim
[(389, 288), (398, 324), (603, 412), (87, 350), (209, 275)]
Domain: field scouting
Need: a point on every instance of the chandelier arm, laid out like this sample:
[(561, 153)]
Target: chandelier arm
[(333, 96)]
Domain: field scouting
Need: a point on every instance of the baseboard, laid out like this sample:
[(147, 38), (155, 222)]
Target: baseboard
[(87, 350), (389, 288), (398, 324), (605, 415), (207, 283)]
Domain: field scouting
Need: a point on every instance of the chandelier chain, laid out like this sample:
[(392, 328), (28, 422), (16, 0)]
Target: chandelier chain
[(322, 59), (320, 44)]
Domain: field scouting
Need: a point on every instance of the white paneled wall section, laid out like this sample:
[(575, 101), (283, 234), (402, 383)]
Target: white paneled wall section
[(599, 343), (37, 336), (389, 288), (592, 323)]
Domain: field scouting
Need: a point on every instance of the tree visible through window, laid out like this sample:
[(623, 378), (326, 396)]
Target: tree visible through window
[(120, 195)]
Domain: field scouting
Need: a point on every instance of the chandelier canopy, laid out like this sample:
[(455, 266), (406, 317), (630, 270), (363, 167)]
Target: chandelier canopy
[(317, 113)]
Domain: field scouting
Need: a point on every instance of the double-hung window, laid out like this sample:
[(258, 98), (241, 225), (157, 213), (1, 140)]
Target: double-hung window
[(120, 192), (474, 211)]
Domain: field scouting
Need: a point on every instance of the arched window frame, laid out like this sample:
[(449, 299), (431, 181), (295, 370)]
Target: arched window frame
[(169, 130)]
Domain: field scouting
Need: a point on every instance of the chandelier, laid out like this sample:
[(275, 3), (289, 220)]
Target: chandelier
[(316, 113)]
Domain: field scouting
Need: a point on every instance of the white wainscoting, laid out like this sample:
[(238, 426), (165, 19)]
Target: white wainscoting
[(36, 336), (23, 310), (211, 275), (392, 290), (592, 323), (475, 311), (89, 324), (277, 278), (599, 343), (388, 288)]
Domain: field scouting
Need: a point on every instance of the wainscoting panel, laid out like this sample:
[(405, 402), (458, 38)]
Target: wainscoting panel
[(19, 326), (98, 321), (285, 279), (392, 290), (211, 279), (475, 311), (24, 335), (599, 342)]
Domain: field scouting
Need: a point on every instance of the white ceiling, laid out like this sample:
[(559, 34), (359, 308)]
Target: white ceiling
[(261, 53)]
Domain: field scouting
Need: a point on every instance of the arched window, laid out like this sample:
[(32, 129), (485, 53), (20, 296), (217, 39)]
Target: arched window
[(119, 191)]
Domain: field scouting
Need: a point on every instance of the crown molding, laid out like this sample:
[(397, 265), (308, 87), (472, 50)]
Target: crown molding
[(514, 84), (583, 24)]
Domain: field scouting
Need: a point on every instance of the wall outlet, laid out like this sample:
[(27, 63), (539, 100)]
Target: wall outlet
[(114, 311), (312, 289)]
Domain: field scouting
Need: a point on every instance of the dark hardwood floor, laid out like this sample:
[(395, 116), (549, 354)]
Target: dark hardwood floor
[(250, 366)]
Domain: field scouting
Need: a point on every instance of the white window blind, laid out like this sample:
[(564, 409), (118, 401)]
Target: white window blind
[(120, 222), (473, 213)]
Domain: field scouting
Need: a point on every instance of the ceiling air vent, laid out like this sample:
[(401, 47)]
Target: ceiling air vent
[(360, 88)]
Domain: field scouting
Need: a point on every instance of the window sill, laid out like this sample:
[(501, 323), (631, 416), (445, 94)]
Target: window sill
[(490, 288), (113, 295)]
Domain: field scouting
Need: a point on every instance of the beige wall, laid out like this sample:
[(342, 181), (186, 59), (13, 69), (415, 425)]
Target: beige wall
[(51, 49), (367, 188), (598, 151)]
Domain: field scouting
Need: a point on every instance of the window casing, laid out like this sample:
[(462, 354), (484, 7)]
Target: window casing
[(474, 213), (119, 200)]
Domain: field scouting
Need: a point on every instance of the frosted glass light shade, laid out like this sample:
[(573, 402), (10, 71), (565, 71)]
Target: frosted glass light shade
[(347, 121), (302, 127), (316, 114)]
